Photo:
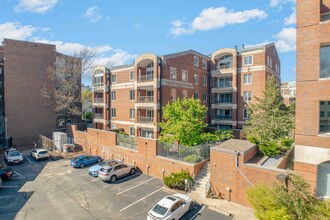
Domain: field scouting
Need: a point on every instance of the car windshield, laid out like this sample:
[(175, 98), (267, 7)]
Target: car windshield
[(77, 158), (161, 210), (106, 170), (104, 163), (14, 153)]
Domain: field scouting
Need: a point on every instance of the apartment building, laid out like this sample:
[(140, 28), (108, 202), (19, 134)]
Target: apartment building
[(312, 149), (288, 92), (132, 96), (2, 103), (26, 73), (237, 77)]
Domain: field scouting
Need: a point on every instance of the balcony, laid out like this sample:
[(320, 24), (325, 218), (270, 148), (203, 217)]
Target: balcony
[(223, 70), (146, 78), (98, 100), (145, 99), (325, 16), (98, 116), (98, 87), (224, 117), (142, 119), (221, 89)]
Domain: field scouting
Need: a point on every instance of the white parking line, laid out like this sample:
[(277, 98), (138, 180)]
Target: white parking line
[(19, 174), (121, 180), (8, 186), (135, 186), (29, 160), (140, 200)]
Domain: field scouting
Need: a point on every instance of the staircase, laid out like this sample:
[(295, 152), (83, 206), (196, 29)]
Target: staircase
[(202, 180)]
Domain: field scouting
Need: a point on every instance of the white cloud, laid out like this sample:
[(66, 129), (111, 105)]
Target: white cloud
[(16, 31), (215, 18), (280, 3), (286, 40), (35, 6), (290, 19), (120, 57), (92, 14)]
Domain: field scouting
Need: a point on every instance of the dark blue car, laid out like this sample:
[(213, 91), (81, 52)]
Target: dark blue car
[(85, 160)]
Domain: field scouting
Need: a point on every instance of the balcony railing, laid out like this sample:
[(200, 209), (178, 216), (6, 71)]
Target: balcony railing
[(224, 101), (325, 16), (224, 117), (145, 99), (98, 116), (142, 119), (98, 100), (225, 67), (146, 78)]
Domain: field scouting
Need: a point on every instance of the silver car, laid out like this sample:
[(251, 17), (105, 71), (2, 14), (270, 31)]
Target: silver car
[(108, 173)]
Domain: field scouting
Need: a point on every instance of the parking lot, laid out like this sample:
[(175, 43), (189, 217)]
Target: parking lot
[(55, 190)]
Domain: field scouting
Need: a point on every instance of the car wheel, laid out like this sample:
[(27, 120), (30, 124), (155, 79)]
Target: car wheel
[(191, 206), (99, 160), (132, 171), (113, 179), (82, 165)]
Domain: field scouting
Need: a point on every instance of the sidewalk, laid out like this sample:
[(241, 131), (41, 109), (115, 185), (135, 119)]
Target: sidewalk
[(224, 207)]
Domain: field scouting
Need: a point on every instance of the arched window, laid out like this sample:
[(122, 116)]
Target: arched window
[(225, 62), (323, 180)]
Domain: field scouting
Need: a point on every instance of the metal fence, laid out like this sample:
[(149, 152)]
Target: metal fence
[(193, 154), (126, 141)]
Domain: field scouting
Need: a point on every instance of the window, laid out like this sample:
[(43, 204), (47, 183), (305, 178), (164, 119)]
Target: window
[(131, 113), (113, 113), (173, 94), (292, 92), (246, 114), (196, 81), (267, 60), (184, 94), (204, 96), (271, 63), (113, 96), (204, 81), (131, 76), (224, 114), (247, 78), (184, 75), (113, 126), (196, 61), (147, 134), (0, 70), (132, 131), (132, 95), (225, 62), (277, 68), (172, 73), (323, 119), (204, 64), (195, 95), (113, 78), (60, 122), (247, 96), (224, 98), (325, 61), (248, 60), (325, 16), (98, 80), (224, 82)]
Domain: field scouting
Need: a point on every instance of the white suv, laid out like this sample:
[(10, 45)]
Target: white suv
[(13, 156), (38, 154)]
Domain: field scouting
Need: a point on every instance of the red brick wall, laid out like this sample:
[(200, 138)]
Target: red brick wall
[(308, 172)]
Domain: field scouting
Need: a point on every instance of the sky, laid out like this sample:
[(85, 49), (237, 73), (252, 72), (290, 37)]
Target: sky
[(122, 30)]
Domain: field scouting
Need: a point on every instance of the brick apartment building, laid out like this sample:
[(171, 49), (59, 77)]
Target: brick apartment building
[(2, 103), (132, 96), (288, 92), (312, 150), (25, 72)]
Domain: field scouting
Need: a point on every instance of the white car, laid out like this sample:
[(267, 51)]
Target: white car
[(171, 207), (13, 156), (38, 154)]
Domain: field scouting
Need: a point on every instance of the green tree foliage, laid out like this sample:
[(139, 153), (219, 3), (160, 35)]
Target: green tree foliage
[(86, 100), (183, 121), (287, 202), (87, 116), (271, 123), (177, 180)]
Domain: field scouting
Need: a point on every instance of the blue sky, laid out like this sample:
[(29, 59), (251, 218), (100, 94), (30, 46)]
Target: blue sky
[(122, 30)]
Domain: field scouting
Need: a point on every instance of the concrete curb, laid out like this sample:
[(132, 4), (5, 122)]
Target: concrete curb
[(224, 212)]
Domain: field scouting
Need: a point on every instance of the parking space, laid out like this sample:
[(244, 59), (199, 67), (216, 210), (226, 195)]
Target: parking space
[(42, 187)]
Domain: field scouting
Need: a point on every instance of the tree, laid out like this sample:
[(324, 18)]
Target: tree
[(271, 124), (86, 100), (293, 201), (184, 121), (66, 77)]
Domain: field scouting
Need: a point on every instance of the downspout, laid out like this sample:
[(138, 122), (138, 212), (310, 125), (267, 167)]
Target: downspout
[(236, 165)]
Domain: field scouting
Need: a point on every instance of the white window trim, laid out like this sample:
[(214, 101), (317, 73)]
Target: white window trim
[(115, 77), (205, 97), (130, 131), (115, 96), (244, 96), (112, 113), (182, 75), (204, 61), (251, 60), (196, 83), (205, 77), (130, 75), (130, 95), (130, 114), (244, 114), (196, 65), (244, 79)]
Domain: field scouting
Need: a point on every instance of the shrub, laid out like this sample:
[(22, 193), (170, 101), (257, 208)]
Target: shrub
[(270, 148), (177, 180), (191, 158)]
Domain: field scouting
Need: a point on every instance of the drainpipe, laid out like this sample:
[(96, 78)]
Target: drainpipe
[(236, 165)]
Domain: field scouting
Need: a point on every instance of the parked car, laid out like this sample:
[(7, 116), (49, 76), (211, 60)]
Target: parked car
[(94, 170), (38, 154), (171, 207), (85, 160), (13, 156), (108, 173), (6, 173)]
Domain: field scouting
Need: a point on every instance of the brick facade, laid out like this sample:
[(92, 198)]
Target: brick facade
[(313, 90), (288, 92)]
